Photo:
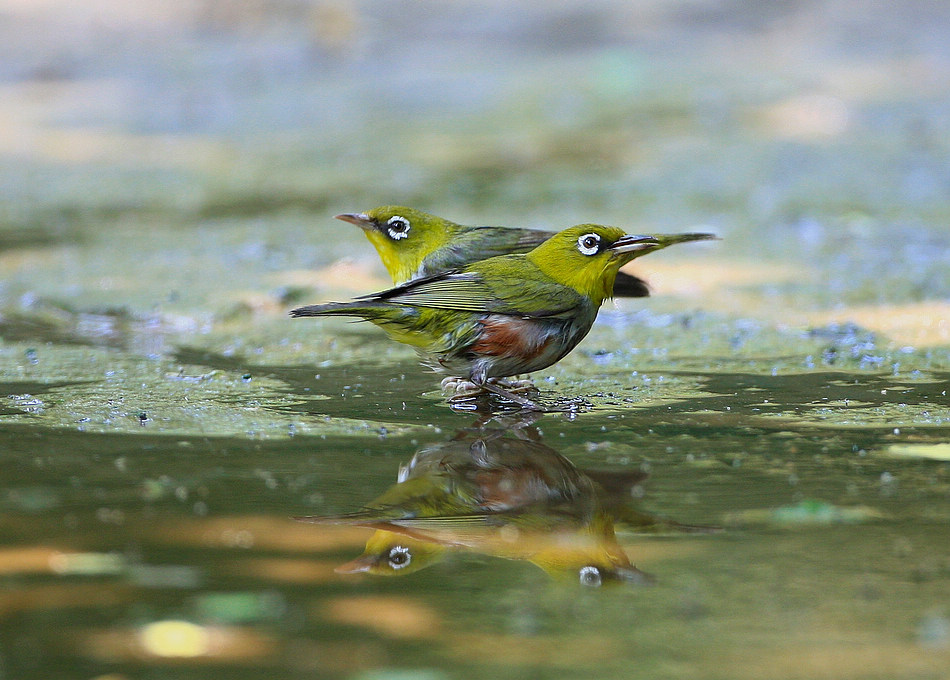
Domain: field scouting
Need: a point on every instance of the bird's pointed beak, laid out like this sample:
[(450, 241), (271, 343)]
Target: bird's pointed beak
[(634, 576), (360, 565), (361, 220), (632, 244)]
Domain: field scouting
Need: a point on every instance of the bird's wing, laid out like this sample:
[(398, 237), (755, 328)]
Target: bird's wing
[(544, 518), (517, 291), (531, 238), (521, 289), (492, 241), (445, 521), (456, 291), (471, 244)]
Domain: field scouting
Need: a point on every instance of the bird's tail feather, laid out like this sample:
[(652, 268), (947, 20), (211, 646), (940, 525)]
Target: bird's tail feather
[(366, 310), (664, 240)]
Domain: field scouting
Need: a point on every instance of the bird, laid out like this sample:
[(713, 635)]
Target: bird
[(412, 244), (504, 315)]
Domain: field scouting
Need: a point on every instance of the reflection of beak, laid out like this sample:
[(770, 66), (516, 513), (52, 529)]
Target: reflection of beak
[(361, 220), (631, 244), (634, 576), (360, 565)]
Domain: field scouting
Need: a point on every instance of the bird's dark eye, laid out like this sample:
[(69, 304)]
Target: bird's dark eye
[(588, 244), (590, 576), (399, 557), (398, 227)]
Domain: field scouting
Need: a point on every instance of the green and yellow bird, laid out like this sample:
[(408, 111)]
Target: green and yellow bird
[(413, 244), (504, 315)]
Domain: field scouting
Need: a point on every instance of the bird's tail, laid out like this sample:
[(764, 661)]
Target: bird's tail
[(424, 329), (664, 240), (364, 310)]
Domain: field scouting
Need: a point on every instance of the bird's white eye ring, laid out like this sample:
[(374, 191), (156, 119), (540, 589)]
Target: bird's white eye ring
[(399, 557), (589, 244), (590, 576), (398, 227)]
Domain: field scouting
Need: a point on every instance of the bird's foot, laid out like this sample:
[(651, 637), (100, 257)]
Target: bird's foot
[(463, 391), (525, 403), (460, 388), (515, 386)]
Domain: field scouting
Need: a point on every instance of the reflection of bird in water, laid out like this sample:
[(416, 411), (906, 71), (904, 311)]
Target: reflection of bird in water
[(506, 497), (392, 553)]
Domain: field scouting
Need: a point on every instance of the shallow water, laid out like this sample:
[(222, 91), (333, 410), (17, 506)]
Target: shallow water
[(136, 551), (766, 439)]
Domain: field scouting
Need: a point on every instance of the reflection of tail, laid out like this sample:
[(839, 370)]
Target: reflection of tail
[(628, 285), (358, 518), (641, 523), (619, 484), (620, 487)]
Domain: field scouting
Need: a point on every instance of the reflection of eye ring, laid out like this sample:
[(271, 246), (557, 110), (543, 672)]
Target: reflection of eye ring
[(589, 244), (399, 557), (590, 576), (398, 227)]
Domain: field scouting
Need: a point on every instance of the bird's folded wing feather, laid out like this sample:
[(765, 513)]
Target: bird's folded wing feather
[(529, 296), (460, 292), (504, 240), (491, 241), (461, 524)]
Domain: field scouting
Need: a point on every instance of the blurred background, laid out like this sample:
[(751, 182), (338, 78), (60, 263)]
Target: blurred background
[(800, 126), (169, 171), (215, 139)]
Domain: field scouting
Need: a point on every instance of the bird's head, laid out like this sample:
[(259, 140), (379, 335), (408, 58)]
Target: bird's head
[(587, 257), (391, 553), (402, 236), (596, 573)]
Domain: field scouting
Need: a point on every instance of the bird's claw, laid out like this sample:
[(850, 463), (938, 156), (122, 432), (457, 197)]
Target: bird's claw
[(460, 388), (514, 385), (466, 391)]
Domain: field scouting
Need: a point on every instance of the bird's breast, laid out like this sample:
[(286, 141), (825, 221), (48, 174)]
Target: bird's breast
[(511, 336), (509, 345)]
